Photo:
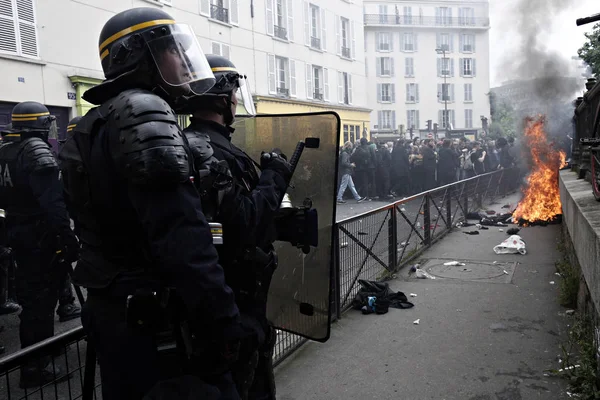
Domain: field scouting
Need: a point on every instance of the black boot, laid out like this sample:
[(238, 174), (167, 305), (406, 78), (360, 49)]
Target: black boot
[(33, 376), (9, 307), (67, 312)]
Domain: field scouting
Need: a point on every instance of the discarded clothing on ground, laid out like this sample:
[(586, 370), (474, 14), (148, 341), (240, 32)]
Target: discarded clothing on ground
[(513, 231), (377, 297), (472, 233), (474, 215)]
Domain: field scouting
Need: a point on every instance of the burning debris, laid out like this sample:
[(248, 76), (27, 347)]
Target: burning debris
[(541, 201)]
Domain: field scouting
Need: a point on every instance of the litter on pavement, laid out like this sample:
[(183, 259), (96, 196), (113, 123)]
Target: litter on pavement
[(513, 245), (454, 264), (422, 274), (377, 297), (416, 322)]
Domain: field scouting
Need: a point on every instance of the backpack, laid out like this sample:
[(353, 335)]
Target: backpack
[(468, 164), (377, 297)]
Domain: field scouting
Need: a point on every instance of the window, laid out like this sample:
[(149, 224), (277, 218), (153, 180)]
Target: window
[(345, 39), (445, 67), (220, 49), (18, 31), (445, 92), (346, 131), (386, 119), (407, 11), (280, 19), (385, 66), (221, 10), (446, 120), (384, 41), (467, 67), (382, 14), (444, 42), (412, 119), (409, 42), (468, 92), (409, 67), (412, 92), (282, 76), (317, 82), (314, 26), (386, 93), (467, 43), (344, 88), (443, 16), (466, 16), (468, 118), (351, 133)]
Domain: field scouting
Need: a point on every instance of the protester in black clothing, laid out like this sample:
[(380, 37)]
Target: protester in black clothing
[(447, 164), (506, 159), (477, 158), (384, 166), (372, 169), (416, 170), (362, 159), (400, 170), (429, 164)]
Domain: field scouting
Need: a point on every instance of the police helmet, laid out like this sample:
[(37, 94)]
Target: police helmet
[(33, 119), (72, 124), (142, 36), (229, 82)]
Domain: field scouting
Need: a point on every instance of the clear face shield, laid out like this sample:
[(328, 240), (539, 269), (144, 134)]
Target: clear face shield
[(180, 60), (245, 106), (53, 127)]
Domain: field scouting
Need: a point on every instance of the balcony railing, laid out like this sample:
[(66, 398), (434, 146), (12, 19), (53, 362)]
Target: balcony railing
[(318, 95), (383, 19), (346, 52), (281, 32), (283, 91), (219, 13), (467, 48), (315, 42)]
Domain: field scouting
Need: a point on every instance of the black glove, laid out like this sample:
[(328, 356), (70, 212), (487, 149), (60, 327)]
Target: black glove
[(274, 162), (68, 247)]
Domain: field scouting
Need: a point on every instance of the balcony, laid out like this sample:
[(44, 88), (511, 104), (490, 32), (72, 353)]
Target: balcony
[(219, 13), (399, 20), (467, 48), (345, 52), (315, 42), (281, 32), (445, 72), (281, 91), (318, 95)]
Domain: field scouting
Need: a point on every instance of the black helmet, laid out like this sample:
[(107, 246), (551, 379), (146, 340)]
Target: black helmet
[(228, 82), (138, 42), (31, 118), (72, 124)]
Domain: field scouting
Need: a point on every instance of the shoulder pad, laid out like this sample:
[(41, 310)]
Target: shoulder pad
[(37, 155), (149, 147), (200, 146)]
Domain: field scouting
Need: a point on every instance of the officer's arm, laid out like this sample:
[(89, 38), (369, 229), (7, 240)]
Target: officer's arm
[(152, 154), (42, 170)]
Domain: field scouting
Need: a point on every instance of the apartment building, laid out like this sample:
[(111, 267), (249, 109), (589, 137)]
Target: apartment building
[(427, 60), (299, 55)]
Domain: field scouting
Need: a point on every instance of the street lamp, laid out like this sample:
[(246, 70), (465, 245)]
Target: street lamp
[(442, 51)]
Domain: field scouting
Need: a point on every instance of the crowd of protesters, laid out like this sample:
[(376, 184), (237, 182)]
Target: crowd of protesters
[(384, 171)]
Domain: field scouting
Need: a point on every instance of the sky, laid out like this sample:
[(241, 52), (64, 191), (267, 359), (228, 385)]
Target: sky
[(563, 35)]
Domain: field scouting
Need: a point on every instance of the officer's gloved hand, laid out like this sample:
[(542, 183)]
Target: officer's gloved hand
[(225, 346), (274, 162), (69, 247)]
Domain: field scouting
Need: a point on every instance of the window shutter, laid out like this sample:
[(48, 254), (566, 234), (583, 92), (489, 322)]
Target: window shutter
[(415, 41), (379, 93), (451, 42), (438, 40), (290, 20), (450, 13), (271, 72), (225, 51), (8, 35), (407, 91), (323, 30), (309, 84), (270, 17), (390, 37), (461, 66), (216, 48), (378, 66), (453, 119), (325, 84), (350, 101), (293, 87), (452, 92), (340, 87), (461, 16), (205, 7), (379, 119), (306, 24), (452, 67), (393, 121), (474, 40), (353, 37), (392, 70), (440, 93), (461, 43), (416, 92), (233, 12), (377, 41), (27, 28), (474, 68), (439, 67), (338, 35), (418, 122), (393, 90)]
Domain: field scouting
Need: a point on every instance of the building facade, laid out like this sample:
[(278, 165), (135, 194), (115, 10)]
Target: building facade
[(299, 55), (427, 60)]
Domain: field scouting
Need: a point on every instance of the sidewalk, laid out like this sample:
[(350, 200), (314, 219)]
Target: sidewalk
[(483, 335)]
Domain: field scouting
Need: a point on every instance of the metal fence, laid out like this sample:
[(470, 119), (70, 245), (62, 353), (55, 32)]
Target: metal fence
[(371, 246)]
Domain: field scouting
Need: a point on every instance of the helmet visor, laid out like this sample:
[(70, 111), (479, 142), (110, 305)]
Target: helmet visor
[(53, 129), (245, 105), (180, 60)]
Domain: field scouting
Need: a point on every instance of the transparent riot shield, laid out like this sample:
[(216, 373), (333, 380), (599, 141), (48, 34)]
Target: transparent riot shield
[(300, 293)]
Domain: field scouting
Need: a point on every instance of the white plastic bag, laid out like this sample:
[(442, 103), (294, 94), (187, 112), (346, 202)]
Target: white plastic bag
[(422, 274), (514, 244)]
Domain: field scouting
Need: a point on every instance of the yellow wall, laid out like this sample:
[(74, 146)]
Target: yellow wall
[(82, 84), (361, 117)]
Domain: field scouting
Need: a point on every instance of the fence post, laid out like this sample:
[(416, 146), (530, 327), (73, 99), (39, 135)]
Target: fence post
[(427, 222), (465, 200), (449, 193), (392, 240), (336, 271)]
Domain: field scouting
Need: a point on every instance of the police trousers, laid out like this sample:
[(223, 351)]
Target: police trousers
[(131, 368)]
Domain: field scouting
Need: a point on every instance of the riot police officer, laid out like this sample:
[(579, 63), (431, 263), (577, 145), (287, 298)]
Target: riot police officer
[(38, 226), (147, 250), (246, 208)]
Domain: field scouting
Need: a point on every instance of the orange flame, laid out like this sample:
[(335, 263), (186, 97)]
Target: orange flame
[(541, 200)]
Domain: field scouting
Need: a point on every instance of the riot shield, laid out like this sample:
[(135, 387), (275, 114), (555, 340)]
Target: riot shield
[(300, 293)]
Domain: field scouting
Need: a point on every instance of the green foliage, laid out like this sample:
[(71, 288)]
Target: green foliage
[(503, 118), (590, 51), (569, 284)]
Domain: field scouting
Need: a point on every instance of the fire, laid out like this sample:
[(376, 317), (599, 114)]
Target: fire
[(541, 200)]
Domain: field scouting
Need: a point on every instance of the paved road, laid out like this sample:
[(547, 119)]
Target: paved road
[(477, 339)]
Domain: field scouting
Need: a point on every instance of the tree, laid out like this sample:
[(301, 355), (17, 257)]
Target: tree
[(503, 118), (590, 52)]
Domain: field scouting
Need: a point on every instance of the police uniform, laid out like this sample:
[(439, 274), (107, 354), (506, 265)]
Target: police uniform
[(246, 209), (38, 226), (127, 174)]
